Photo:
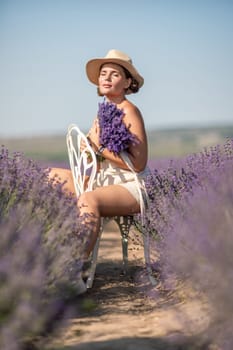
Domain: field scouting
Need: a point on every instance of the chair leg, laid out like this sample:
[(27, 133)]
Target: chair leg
[(146, 244), (124, 242), (124, 223), (94, 258)]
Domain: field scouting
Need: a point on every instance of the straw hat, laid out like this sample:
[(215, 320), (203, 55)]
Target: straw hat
[(114, 56)]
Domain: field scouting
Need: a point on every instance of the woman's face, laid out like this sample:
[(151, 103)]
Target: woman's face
[(112, 80)]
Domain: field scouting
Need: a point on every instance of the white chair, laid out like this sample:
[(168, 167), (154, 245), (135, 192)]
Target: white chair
[(83, 164)]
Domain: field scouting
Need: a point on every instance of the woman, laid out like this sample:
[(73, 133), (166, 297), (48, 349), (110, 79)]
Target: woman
[(116, 190)]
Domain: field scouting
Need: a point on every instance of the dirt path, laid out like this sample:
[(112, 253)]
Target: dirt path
[(126, 313)]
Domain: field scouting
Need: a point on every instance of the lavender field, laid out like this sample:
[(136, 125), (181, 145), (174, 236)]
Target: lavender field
[(190, 220)]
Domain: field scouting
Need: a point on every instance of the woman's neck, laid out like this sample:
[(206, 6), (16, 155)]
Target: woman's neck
[(115, 99)]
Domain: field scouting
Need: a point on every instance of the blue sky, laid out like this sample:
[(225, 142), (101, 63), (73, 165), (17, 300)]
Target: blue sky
[(184, 50)]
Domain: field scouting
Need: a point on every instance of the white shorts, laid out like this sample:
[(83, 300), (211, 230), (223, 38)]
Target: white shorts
[(110, 174)]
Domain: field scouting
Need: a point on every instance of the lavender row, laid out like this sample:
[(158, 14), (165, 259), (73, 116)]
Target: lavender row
[(41, 250), (191, 217)]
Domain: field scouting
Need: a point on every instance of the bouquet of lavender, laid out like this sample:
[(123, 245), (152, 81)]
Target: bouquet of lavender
[(114, 135)]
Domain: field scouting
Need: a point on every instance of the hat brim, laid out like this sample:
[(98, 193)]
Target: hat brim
[(93, 68)]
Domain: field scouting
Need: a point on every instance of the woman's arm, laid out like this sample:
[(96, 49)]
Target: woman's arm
[(94, 142), (137, 152)]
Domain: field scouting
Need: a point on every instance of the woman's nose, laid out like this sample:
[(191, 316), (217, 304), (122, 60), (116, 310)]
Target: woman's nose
[(107, 77)]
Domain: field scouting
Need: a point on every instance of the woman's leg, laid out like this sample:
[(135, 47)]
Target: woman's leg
[(60, 175), (105, 201)]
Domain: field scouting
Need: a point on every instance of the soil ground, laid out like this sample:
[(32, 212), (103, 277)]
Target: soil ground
[(124, 312)]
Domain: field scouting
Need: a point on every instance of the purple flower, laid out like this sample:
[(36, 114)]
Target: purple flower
[(41, 251), (114, 135)]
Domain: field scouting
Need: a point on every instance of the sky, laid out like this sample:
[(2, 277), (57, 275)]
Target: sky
[(183, 49)]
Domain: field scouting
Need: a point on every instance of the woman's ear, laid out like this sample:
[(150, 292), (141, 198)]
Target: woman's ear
[(128, 83)]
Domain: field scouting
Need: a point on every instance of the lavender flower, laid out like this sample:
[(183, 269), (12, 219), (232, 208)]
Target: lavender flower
[(198, 248), (41, 249), (191, 213), (114, 135)]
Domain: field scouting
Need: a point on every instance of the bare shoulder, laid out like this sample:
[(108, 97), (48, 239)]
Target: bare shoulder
[(132, 112)]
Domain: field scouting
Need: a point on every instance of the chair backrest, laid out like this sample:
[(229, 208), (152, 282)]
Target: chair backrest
[(82, 159)]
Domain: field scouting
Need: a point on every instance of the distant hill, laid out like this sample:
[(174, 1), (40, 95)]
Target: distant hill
[(182, 141), (162, 143)]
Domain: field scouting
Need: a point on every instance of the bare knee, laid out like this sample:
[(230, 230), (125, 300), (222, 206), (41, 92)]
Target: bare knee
[(63, 176), (87, 203), (53, 173)]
